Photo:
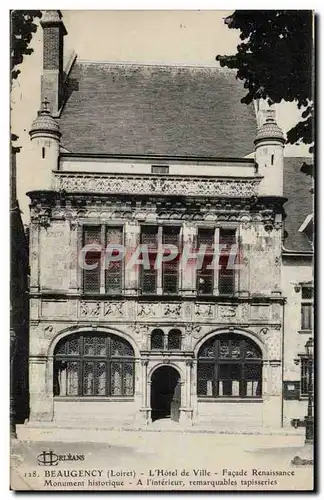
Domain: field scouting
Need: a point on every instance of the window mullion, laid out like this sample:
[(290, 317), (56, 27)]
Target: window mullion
[(159, 290), (102, 259), (216, 380), (216, 261)]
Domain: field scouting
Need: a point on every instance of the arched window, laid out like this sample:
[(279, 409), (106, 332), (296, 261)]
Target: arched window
[(174, 340), (229, 365), (93, 365), (157, 339)]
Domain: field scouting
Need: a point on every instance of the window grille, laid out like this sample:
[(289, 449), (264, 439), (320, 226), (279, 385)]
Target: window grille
[(157, 339), (114, 271), (174, 340), (229, 365), (91, 277), (205, 275), (226, 274), (87, 365)]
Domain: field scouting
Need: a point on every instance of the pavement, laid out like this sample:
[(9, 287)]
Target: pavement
[(139, 459)]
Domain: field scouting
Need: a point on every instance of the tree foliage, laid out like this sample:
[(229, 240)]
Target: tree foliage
[(22, 29), (275, 61)]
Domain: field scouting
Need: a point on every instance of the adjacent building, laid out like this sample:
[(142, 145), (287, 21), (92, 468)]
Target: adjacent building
[(130, 155)]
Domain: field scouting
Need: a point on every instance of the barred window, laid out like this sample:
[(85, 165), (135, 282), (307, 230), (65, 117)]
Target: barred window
[(226, 275), (91, 277), (101, 277), (304, 376), (161, 341), (114, 269), (170, 269), (307, 308), (166, 276), (157, 339), (148, 277), (174, 340), (87, 365), (229, 365), (205, 275)]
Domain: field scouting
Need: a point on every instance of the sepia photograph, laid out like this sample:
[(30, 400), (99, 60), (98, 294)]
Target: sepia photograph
[(162, 250)]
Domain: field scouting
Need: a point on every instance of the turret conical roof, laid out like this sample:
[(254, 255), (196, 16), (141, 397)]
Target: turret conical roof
[(270, 129), (45, 121)]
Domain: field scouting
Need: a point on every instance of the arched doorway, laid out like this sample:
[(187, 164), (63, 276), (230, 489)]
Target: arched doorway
[(165, 393)]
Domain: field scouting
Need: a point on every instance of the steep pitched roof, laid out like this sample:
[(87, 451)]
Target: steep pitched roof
[(141, 109), (297, 186)]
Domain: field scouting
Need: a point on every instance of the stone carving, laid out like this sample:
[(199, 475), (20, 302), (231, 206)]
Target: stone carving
[(264, 331), (245, 311), (114, 309), (226, 311), (140, 330), (89, 309), (204, 310), (194, 331), (172, 309), (246, 221), (146, 310), (41, 216), (48, 328), (108, 183)]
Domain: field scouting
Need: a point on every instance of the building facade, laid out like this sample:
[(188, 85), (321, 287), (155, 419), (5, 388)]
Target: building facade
[(133, 155)]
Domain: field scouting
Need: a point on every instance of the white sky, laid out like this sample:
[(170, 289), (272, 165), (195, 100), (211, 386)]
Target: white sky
[(169, 37)]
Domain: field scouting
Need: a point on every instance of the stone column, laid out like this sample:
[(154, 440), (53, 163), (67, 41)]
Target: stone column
[(144, 410), (132, 234), (188, 386), (41, 395), (188, 274)]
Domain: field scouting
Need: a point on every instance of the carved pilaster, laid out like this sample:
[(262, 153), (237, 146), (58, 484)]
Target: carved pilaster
[(188, 273), (34, 257), (132, 236)]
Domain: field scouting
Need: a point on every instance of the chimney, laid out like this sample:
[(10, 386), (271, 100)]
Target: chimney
[(52, 78)]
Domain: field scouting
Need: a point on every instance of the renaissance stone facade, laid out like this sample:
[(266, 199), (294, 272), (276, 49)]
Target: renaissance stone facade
[(121, 344)]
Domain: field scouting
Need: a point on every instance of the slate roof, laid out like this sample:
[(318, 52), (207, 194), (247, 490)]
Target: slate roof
[(163, 110), (296, 188)]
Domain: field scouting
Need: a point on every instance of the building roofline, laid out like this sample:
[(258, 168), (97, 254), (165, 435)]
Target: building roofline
[(212, 65), (122, 156)]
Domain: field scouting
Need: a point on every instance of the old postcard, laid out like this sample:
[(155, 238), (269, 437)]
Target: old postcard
[(162, 250)]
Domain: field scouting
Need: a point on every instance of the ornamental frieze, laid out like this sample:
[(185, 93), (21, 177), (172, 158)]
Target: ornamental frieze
[(114, 309), (172, 310), (105, 183), (90, 309), (224, 311), (204, 310)]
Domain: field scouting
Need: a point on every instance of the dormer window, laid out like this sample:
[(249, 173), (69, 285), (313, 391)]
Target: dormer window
[(159, 169)]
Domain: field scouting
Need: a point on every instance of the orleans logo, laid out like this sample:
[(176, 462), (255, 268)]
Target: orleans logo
[(49, 458)]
